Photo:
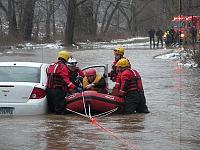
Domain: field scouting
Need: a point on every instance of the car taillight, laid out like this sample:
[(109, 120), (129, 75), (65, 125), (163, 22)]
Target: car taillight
[(37, 93)]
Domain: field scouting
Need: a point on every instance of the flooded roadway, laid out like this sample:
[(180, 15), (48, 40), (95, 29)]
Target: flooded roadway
[(172, 95)]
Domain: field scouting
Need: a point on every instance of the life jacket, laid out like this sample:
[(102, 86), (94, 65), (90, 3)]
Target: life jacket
[(55, 80), (139, 80), (129, 80), (86, 82), (75, 76)]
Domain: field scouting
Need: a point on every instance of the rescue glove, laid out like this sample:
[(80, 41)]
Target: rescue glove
[(89, 86)]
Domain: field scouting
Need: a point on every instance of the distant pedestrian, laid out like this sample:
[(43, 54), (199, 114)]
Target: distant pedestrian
[(159, 35), (193, 32), (152, 37)]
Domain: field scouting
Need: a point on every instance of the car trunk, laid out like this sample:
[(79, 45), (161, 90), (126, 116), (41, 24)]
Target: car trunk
[(15, 92)]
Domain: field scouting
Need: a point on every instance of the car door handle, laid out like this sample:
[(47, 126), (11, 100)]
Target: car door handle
[(5, 91)]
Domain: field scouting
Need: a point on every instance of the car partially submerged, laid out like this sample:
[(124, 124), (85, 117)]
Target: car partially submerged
[(22, 88)]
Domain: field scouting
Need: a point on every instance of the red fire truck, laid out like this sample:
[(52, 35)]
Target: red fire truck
[(182, 26)]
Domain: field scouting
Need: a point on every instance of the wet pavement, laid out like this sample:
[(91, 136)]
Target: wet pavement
[(172, 95)]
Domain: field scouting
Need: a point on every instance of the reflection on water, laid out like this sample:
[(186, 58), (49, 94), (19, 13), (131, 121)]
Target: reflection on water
[(172, 96)]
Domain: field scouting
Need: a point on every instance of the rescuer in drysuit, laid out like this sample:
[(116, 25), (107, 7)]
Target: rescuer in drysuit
[(58, 83), (76, 75), (118, 53), (129, 86)]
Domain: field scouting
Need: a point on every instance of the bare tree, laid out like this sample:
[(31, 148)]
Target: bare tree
[(27, 23), (87, 21), (11, 16), (49, 6), (131, 12), (71, 12)]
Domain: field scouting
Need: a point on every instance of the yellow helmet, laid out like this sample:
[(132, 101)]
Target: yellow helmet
[(64, 54), (119, 50), (122, 63)]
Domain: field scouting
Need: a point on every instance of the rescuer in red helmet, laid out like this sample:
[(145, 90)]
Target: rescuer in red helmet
[(94, 81)]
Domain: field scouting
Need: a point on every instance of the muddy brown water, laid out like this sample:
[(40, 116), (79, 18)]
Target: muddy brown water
[(172, 95)]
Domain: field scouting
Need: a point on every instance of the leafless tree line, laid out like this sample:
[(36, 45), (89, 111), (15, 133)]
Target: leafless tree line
[(26, 20)]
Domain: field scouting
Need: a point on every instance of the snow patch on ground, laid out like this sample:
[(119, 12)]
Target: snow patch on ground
[(185, 57)]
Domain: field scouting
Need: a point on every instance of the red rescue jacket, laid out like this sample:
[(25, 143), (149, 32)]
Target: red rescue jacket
[(58, 77), (128, 80)]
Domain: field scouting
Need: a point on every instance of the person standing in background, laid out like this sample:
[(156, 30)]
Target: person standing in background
[(159, 35), (152, 38)]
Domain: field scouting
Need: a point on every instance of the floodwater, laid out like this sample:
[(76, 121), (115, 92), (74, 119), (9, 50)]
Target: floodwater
[(172, 95)]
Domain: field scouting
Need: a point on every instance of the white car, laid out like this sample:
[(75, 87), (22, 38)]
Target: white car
[(22, 88)]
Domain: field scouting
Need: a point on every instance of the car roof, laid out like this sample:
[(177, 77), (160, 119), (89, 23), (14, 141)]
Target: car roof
[(25, 64)]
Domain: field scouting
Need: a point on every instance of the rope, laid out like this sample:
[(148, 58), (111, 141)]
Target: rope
[(89, 113), (84, 102), (125, 142), (86, 116), (93, 121), (105, 113)]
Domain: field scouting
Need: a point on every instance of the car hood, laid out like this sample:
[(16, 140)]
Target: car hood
[(16, 92)]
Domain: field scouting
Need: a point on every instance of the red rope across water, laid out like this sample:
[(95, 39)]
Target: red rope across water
[(125, 142)]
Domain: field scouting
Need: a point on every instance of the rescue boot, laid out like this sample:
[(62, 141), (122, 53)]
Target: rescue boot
[(143, 109)]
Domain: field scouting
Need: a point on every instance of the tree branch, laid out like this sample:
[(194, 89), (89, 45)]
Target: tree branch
[(3, 7)]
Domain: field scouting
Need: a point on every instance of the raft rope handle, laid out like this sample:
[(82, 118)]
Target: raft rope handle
[(83, 98), (105, 113), (86, 116), (89, 112)]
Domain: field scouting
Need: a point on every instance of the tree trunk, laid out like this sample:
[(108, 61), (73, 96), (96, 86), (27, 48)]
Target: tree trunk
[(69, 29), (96, 16), (53, 20), (1, 28), (28, 19), (111, 15), (48, 23), (12, 18), (91, 22), (104, 17)]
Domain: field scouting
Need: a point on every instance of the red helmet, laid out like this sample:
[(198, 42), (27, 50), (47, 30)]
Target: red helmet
[(90, 72)]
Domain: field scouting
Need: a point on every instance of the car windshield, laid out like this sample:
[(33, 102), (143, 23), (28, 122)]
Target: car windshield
[(19, 74)]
